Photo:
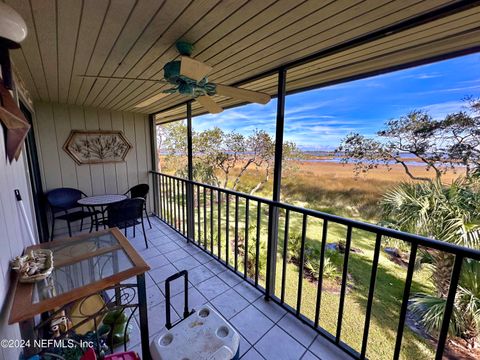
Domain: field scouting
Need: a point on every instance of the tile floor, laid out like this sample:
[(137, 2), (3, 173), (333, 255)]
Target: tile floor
[(267, 330)]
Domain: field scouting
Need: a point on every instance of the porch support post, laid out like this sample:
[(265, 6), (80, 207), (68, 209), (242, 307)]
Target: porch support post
[(272, 245), (154, 159), (190, 198)]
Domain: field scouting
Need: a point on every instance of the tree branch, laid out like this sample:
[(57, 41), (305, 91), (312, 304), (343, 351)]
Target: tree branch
[(409, 173)]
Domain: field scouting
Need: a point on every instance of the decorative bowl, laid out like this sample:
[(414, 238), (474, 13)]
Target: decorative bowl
[(35, 266)]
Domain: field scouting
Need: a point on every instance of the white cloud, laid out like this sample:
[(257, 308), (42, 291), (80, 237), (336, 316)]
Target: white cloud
[(438, 111), (451, 89), (290, 110), (422, 76)]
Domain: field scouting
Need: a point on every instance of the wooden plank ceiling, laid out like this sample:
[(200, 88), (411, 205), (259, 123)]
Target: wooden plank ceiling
[(239, 38)]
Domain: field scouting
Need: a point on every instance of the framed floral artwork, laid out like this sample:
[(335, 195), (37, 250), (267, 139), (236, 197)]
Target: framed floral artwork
[(97, 146)]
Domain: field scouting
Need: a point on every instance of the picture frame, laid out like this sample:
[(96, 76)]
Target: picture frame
[(97, 146)]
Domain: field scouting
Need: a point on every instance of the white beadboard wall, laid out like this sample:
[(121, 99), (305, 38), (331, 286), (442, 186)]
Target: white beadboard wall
[(53, 123), (13, 236)]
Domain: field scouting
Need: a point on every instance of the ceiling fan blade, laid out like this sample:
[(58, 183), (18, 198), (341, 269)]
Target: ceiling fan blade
[(194, 69), (210, 105), (243, 94), (152, 100), (120, 78)]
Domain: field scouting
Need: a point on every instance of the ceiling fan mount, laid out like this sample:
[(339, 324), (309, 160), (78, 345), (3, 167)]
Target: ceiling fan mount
[(184, 48)]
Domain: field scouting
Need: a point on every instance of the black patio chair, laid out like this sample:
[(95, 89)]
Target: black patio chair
[(140, 191), (125, 214), (64, 201)]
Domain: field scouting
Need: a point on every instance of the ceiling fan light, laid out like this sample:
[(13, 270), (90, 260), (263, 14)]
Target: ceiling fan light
[(13, 29)]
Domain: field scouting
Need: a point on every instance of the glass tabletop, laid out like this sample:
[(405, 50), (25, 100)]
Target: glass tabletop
[(81, 273), (80, 262), (71, 249)]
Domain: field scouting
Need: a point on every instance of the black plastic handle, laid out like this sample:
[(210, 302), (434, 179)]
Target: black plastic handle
[(186, 312)]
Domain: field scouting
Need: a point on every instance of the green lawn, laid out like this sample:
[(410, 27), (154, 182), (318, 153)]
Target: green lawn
[(389, 284)]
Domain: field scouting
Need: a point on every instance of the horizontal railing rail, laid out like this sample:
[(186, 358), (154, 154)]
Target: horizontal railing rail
[(231, 226)]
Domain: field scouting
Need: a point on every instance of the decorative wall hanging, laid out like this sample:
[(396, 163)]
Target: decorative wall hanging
[(97, 146), (15, 125)]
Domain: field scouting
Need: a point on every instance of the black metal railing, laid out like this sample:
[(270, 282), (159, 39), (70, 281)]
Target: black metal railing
[(215, 225)]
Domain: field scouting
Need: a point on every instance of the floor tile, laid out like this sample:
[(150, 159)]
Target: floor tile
[(230, 277), (149, 253), (244, 346), (251, 315), (270, 308), (160, 274), (158, 242), (177, 237), (325, 350), (134, 335), (278, 345), (212, 287), (309, 356), (199, 274), (176, 255), (159, 238), (248, 291), (195, 301), (157, 318), (192, 249), (202, 257), (252, 354), (169, 231), (229, 303), (157, 261), (176, 286), (138, 242), (215, 266), (149, 281), (301, 332), (154, 296), (167, 247), (186, 263)]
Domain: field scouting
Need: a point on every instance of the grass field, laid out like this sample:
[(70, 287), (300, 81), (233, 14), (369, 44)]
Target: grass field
[(332, 188)]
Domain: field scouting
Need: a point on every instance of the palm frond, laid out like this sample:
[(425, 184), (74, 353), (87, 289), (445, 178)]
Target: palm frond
[(430, 310)]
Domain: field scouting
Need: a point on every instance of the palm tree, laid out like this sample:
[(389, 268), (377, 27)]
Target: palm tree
[(449, 213)]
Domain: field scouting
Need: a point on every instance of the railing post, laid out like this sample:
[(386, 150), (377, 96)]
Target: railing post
[(272, 244), (154, 159), (190, 199)]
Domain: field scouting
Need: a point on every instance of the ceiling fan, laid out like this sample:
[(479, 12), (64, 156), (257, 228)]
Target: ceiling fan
[(189, 77)]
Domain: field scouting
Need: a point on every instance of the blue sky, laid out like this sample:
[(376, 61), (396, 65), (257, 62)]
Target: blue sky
[(319, 119)]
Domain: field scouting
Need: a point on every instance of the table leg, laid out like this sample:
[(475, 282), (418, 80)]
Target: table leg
[(118, 293), (96, 219), (103, 217), (142, 308), (27, 333)]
